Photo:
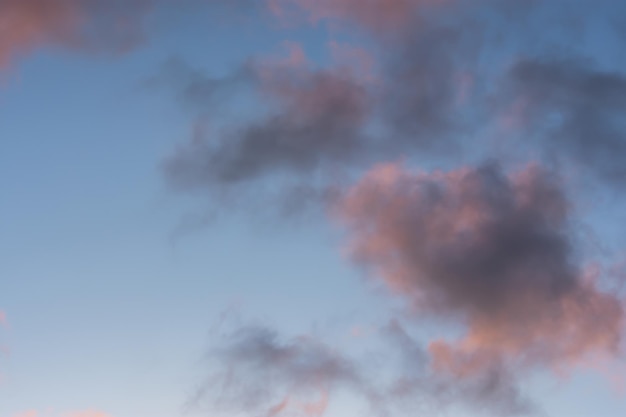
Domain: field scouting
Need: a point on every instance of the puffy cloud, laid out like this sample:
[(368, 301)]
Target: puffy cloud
[(489, 250)]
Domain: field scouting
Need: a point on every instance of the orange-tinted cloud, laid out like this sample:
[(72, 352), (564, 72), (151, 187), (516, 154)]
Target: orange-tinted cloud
[(492, 251)]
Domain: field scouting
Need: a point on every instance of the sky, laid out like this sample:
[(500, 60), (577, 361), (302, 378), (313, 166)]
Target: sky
[(307, 208)]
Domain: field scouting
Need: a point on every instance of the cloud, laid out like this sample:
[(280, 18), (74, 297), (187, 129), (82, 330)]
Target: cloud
[(316, 124), (256, 371), (260, 373), (491, 251), (571, 107), (313, 118), (488, 250), (3, 319), (103, 26), (419, 383), (76, 24)]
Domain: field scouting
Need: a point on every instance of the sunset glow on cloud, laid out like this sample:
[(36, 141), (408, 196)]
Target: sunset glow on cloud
[(307, 208)]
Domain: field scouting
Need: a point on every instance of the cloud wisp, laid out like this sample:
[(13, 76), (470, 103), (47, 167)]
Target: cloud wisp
[(260, 373)]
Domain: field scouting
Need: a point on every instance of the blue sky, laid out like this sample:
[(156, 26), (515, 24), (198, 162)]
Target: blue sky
[(121, 300)]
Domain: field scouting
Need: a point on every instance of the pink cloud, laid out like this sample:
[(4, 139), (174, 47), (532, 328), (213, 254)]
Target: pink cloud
[(491, 251), (83, 24)]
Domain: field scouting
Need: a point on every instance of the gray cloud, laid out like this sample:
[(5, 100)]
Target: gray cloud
[(259, 373), (571, 107), (494, 253), (256, 371)]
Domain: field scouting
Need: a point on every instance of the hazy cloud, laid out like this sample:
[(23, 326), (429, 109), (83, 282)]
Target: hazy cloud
[(314, 118), (572, 107), (107, 25), (260, 373), (493, 251)]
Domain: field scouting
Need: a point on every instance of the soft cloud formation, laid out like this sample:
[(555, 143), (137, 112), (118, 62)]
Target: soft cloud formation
[(107, 25), (256, 371), (418, 382), (572, 107), (103, 26), (3, 319), (314, 119), (492, 251), (260, 373), (489, 250)]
